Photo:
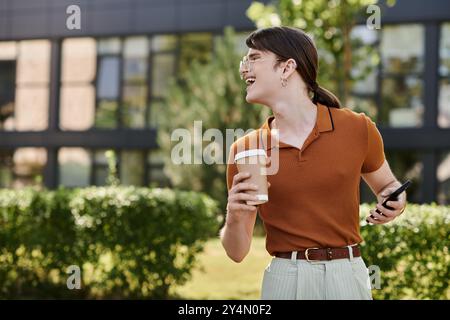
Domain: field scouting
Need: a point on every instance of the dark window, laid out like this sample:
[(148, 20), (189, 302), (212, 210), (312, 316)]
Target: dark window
[(7, 91), (22, 167), (444, 75), (155, 171), (108, 78), (443, 178), (364, 71), (6, 168), (402, 66), (100, 168), (74, 167)]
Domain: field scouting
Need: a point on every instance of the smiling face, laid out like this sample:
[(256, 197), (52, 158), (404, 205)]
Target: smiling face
[(262, 76)]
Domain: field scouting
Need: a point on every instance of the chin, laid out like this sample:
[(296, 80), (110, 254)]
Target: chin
[(253, 100), (259, 95), (251, 97)]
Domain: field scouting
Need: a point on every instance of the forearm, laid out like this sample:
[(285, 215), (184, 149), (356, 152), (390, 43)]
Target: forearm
[(236, 238)]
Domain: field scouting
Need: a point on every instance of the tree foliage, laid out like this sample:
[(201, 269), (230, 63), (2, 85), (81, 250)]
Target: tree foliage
[(214, 94), (342, 57)]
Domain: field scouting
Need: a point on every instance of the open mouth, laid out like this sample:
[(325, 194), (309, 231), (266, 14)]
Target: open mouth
[(250, 81)]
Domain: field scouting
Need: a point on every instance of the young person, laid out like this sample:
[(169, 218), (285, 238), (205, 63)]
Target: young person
[(312, 216)]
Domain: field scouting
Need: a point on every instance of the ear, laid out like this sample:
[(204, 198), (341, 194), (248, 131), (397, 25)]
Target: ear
[(289, 68)]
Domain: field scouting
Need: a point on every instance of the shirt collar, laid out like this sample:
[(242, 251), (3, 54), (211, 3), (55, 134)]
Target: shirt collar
[(324, 123)]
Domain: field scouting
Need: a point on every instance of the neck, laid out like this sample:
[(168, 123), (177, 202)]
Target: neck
[(294, 117)]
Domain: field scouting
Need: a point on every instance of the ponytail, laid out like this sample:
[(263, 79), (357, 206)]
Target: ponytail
[(325, 97)]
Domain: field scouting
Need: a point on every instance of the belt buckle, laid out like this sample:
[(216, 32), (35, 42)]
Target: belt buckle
[(307, 254)]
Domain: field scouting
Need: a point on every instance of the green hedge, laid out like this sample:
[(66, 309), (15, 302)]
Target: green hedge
[(136, 242), (412, 252), (128, 242)]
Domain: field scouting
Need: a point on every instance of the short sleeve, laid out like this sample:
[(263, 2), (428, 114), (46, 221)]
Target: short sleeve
[(232, 169), (375, 148)]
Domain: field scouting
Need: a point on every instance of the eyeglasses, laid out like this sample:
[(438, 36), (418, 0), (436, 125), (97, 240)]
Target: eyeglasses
[(247, 64)]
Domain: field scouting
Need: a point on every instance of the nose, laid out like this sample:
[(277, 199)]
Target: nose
[(242, 73), (243, 70)]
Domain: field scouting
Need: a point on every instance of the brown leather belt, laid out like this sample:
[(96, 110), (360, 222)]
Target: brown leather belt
[(320, 254)]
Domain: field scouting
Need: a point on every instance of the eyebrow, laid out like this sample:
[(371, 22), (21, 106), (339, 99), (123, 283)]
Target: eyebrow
[(253, 55)]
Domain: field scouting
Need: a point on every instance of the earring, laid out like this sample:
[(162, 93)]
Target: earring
[(283, 82)]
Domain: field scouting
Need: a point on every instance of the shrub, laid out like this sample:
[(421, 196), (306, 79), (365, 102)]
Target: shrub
[(129, 242), (412, 252)]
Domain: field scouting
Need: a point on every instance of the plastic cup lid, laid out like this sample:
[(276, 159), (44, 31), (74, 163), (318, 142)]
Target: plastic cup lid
[(250, 153)]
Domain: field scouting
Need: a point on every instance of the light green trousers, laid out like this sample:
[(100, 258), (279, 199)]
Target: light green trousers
[(292, 279)]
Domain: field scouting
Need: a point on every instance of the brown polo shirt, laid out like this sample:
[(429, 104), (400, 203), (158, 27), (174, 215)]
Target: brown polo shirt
[(314, 196)]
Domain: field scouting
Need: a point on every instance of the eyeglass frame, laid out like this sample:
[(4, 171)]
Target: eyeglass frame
[(247, 64)]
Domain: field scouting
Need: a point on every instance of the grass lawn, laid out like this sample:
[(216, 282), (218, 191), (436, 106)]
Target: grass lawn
[(221, 278)]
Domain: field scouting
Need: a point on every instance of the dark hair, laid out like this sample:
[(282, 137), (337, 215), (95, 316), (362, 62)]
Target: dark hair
[(287, 43)]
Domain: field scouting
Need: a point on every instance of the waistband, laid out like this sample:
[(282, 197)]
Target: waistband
[(321, 254)]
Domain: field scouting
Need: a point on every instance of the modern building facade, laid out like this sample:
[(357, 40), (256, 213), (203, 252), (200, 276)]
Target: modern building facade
[(67, 95)]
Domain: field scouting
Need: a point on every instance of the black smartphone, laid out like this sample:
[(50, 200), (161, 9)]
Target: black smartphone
[(393, 196)]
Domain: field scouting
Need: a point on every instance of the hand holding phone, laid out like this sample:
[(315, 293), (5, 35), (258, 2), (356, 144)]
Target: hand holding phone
[(393, 196)]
